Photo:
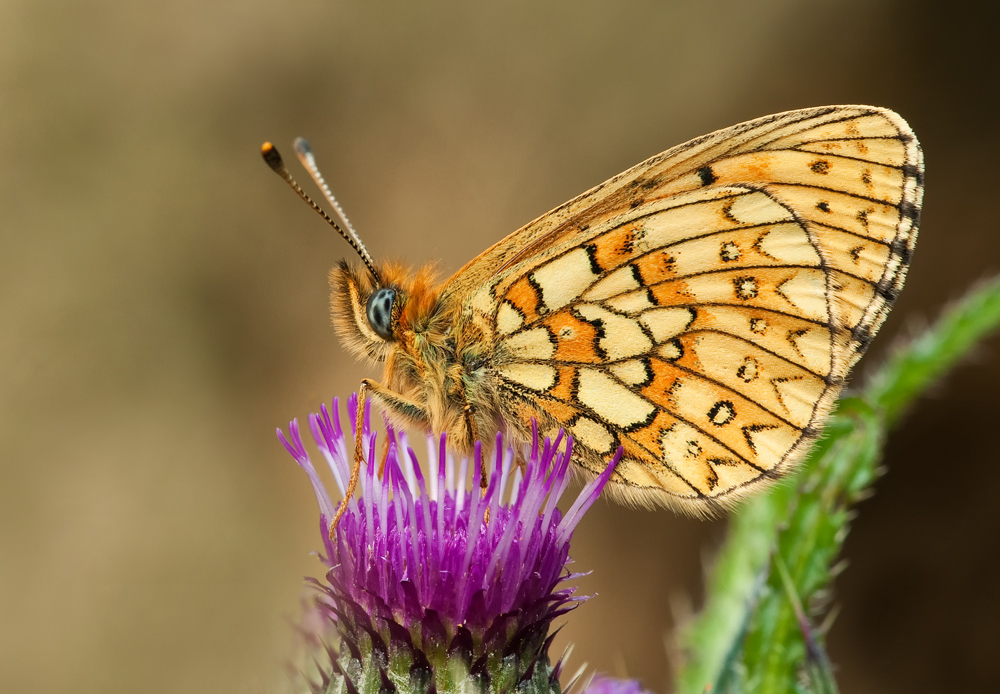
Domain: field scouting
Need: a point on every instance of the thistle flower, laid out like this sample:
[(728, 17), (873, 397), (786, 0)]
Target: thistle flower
[(432, 586), (602, 684)]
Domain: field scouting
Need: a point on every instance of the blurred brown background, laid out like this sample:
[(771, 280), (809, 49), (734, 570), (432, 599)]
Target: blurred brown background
[(163, 302)]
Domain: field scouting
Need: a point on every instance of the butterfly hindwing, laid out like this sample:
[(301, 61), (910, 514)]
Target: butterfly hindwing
[(703, 308)]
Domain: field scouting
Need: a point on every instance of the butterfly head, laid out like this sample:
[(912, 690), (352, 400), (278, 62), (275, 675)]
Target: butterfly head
[(375, 314), (375, 307)]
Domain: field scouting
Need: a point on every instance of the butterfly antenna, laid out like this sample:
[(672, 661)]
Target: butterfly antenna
[(274, 160), (308, 161)]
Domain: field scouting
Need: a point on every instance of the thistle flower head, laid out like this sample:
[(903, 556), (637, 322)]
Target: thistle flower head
[(431, 572)]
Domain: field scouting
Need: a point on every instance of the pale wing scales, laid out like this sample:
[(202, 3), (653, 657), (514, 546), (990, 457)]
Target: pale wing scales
[(774, 332), (851, 127), (508, 319), (885, 151), (665, 323), (755, 372), (564, 279), (592, 434), (855, 255), (613, 402), (621, 337)]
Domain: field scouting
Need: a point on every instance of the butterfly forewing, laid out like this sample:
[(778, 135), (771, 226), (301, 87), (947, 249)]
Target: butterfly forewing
[(703, 308)]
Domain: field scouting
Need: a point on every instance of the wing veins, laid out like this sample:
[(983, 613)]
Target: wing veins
[(844, 156), (583, 409), (887, 244), (608, 362), (720, 384), (534, 324), (832, 121), (792, 184)]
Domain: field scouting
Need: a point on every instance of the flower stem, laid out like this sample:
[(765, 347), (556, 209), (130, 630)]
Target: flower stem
[(909, 371)]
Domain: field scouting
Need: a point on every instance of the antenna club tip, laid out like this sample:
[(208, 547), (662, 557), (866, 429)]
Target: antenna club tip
[(271, 156), (302, 146)]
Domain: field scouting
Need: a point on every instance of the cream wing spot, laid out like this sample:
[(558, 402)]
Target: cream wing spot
[(664, 323), (789, 244), (612, 401), (813, 345), (535, 343), (798, 396), (538, 377), (770, 443), (509, 319), (757, 208), (633, 372), (623, 338), (482, 300), (593, 435), (722, 413), (672, 350), (805, 291), (632, 302), (746, 287), (615, 283), (564, 279), (748, 370)]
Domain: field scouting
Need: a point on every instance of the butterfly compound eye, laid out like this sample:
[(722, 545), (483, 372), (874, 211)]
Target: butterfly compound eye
[(380, 312)]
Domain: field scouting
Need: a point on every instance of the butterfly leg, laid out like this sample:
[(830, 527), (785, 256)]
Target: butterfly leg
[(391, 400), (358, 455), (484, 482), (470, 423)]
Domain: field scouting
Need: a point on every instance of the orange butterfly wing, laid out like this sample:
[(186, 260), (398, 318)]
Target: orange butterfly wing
[(703, 308)]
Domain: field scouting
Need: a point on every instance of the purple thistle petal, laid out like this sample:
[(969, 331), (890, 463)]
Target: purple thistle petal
[(602, 684), (586, 499), (439, 495), (352, 409), (338, 432), (298, 451), (332, 445), (442, 455), (450, 473)]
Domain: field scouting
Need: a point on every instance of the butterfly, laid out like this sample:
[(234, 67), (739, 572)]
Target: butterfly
[(700, 310)]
